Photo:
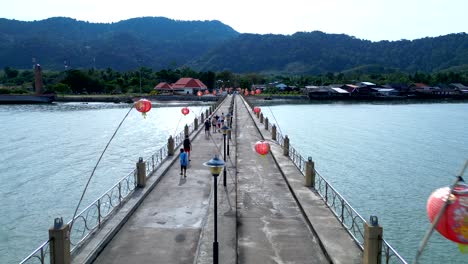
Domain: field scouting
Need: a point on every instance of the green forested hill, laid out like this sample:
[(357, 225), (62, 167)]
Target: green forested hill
[(317, 52), (154, 42), (160, 43)]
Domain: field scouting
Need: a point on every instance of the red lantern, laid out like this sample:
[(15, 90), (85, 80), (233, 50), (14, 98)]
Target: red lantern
[(214, 92), (143, 106), (199, 93), (185, 111), (453, 223), (206, 91), (257, 110), (258, 91), (252, 92), (262, 147), (246, 93)]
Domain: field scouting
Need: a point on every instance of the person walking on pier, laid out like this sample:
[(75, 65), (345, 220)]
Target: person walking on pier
[(183, 157), (207, 127), (213, 123), (187, 146)]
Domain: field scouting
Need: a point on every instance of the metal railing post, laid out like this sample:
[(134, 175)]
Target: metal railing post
[(195, 122), (186, 130), (266, 123), (261, 118)]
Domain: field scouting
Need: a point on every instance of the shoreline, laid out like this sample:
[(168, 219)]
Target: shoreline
[(131, 99)]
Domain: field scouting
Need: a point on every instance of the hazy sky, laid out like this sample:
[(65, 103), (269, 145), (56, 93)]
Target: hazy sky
[(366, 19)]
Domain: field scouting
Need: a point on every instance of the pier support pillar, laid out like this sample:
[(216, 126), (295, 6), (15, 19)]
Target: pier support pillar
[(141, 173), (186, 130), (273, 132), (310, 173), (261, 118), (170, 146), (286, 146), (372, 242), (266, 123), (59, 236), (195, 122)]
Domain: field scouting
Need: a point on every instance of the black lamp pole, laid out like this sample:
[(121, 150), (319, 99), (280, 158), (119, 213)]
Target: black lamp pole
[(215, 165), (215, 242), (224, 170)]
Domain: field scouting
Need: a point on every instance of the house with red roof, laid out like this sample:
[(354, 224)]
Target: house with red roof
[(164, 88), (188, 86)]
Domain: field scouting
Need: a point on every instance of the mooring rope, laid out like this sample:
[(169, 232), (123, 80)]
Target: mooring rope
[(95, 167)]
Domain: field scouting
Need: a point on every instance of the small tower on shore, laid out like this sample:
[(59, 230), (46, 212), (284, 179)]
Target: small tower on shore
[(38, 79)]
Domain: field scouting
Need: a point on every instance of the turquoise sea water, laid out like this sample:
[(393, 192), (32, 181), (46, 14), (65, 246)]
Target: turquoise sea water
[(47, 153), (385, 159)]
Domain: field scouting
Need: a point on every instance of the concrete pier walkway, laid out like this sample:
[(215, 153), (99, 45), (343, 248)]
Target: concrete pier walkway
[(260, 215)]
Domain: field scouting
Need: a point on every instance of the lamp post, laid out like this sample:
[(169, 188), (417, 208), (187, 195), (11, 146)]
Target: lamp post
[(216, 165), (224, 129), (228, 118)]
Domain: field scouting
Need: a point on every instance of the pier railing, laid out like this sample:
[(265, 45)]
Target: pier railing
[(91, 218), (349, 218), (40, 255), (94, 215)]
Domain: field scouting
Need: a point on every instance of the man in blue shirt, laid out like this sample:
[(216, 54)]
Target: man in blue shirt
[(183, 162)]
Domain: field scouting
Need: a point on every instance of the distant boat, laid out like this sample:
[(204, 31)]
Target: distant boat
[(26, 99)]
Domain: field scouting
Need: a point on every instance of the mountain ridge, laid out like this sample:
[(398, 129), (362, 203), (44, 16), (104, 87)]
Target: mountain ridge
[(157, 42)]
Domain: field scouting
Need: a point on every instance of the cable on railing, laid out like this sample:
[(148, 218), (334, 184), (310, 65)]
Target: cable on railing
[(95, 167)]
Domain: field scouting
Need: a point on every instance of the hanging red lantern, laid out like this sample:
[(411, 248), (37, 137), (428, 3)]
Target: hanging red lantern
[(206, 91), (257, 110), (252, 92), (453, 223), (246, 93), (185, 111), (214, 92), (143, 106), (199, 93), (258, 91), (262, 147)]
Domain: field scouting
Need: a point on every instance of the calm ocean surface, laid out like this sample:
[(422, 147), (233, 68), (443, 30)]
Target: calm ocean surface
[(47, 153), (385, 159)]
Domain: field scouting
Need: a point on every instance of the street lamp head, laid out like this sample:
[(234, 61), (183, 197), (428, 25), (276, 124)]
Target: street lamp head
[(216, 165), (225, 129)]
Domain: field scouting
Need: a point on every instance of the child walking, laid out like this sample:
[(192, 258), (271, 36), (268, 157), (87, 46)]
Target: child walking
[(183, 162)]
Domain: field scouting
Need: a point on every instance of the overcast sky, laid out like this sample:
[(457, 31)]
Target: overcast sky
[(365, 19)]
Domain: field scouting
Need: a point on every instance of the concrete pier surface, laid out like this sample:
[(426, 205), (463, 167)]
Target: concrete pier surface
[(265, 214)]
